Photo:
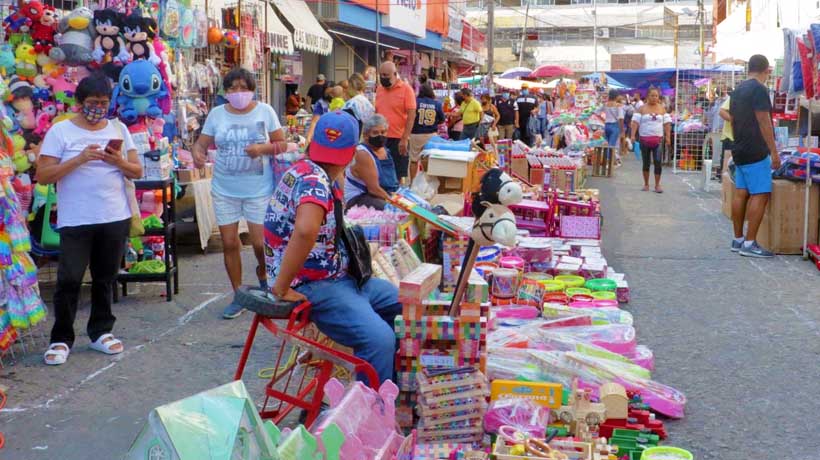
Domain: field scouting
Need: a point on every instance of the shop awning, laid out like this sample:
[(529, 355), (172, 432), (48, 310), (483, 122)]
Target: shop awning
[(278, 38), (308, 34)]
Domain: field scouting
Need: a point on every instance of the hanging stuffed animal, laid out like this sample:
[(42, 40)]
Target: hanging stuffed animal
[(138, 92), (33, 11), (63, 89), (42, 31), (26, 61), (16, 22), (44, 117), (76, 41), (137, 32), (7, 60), (109, 46), (22, 104)]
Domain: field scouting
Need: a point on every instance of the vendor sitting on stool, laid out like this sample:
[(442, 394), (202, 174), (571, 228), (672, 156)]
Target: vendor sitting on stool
[(302, 257), (371, 177)]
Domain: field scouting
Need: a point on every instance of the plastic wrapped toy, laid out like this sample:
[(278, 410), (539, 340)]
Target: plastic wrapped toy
[(519, 413)]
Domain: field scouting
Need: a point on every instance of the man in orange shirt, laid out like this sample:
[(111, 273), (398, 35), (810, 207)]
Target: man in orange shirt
[(396, 100)]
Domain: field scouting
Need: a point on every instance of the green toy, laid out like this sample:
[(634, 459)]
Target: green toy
[(49, 238)]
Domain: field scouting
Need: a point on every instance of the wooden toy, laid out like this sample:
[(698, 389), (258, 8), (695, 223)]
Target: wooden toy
[(581, 409), (613, 397)]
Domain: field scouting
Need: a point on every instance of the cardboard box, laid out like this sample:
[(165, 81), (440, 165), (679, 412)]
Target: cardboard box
[(727, 189), (781, 230), (156, 165), (520, 166), (443, 167), (188, 175)]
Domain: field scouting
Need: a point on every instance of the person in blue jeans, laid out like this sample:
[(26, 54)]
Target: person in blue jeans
[(755, 155), (304, 257)]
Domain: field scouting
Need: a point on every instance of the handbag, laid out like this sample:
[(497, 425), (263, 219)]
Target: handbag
[(137, 228), (359, 264)]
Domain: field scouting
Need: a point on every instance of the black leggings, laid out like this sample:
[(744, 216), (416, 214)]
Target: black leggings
[(650, 154)]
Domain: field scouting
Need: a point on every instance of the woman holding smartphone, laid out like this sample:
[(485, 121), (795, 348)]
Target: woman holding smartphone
[(88, 157), (245, 132)]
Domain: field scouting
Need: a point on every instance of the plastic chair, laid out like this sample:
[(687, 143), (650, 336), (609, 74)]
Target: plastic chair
[(286, 385)]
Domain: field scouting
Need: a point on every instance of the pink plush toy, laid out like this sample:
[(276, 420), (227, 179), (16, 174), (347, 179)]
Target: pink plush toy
[(44, 117), (63, 89)]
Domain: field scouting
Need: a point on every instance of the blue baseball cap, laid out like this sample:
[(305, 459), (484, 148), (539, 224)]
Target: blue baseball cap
[(334, 138)]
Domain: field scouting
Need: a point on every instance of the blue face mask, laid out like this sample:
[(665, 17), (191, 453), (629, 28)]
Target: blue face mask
[(525, 92), (505, 95)]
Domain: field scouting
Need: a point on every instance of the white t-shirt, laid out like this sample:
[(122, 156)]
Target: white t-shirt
[(613, 114), (237, 175), (94, 193), (651, 124)]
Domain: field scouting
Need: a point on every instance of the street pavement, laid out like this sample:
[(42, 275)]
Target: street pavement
[(738, 336)]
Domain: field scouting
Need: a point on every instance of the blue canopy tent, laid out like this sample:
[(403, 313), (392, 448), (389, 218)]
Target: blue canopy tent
[(611, 83)]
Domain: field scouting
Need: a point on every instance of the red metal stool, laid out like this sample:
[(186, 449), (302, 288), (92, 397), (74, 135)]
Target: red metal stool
[(304, 392), (2, 405)]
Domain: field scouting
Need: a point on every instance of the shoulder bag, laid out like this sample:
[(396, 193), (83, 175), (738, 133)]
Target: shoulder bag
[(358, 250), (137, 228)]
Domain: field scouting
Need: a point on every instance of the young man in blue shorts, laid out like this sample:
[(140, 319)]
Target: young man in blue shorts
[(754, 153)]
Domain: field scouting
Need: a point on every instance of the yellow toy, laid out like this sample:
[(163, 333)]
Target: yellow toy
[(21, 159), (25, 61)]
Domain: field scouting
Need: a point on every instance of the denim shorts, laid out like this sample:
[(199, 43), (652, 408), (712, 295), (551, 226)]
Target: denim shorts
[(756, 178), (230, 210)]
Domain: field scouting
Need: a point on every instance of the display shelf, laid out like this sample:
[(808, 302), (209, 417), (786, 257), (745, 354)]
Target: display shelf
[(169, 233)]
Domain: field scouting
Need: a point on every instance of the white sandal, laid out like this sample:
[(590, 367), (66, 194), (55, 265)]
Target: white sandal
[(55, 356), (104, 346)]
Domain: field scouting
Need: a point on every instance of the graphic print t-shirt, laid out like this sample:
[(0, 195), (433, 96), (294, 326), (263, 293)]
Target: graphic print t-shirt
[(305, 182), (428, 116), (237, 175)]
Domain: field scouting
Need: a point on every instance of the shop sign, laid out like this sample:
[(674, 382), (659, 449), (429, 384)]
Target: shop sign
[(472, 39), (456, 26), (292, 69), (408, 16), (279, 42), (308, 41)]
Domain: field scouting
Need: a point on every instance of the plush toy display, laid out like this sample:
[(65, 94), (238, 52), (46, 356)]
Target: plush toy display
[(76, 42), (63, 89), (33, 11), (138, 31), (7, 61), (44, 117), (25, 61), (42, 31), (15, 22), (138, 92), (109, 46)]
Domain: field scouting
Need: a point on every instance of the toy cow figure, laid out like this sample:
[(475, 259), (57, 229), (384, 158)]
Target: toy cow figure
[(495, 225)]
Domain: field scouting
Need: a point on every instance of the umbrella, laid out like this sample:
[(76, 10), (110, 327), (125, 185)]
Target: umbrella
[(516, 72), (551, 71), (510, 83), (554, 83)]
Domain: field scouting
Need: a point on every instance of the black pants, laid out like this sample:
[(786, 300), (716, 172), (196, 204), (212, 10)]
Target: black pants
[(101, 246), (402, 162), (652, 155)]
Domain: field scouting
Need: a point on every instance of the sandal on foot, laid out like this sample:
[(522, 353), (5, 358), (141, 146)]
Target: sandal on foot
[(105, 344), (658, 190), (645, 188), (56, 354)]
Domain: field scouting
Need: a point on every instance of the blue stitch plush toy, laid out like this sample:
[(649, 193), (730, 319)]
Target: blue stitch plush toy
[(138, 92)]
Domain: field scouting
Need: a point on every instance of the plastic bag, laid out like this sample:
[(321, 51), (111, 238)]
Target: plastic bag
[(425, 186), (524, 415)]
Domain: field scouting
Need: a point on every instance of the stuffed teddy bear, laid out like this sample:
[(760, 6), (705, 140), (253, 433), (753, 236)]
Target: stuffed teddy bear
[(76, 41), (42, 31), (137, 31), (109, 46), (138, 92), (26, 61)]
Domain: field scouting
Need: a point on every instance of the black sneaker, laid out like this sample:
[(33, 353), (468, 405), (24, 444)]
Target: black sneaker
[(755, 251)]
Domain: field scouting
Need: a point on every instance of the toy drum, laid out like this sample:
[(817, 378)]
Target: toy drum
[(556, 297), (488, 254), (604, 295), (530, 292), (571, 280), (512, 262), (601, 284), (576, 291), (553, 285), (505, 283), (485, 269), (666, 453)]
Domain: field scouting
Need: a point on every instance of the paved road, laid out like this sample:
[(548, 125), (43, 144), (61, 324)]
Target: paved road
[(738, 336)]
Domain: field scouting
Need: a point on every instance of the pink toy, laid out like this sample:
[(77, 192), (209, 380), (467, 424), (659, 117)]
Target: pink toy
[(160, 60), (44, 117), (367, 419), (517, 312), (521, 414)]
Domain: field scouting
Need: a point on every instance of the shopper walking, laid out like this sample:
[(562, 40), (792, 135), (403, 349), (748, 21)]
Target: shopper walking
[(304, 262), (429, 115), (489, 120), (81, 156), (317, 91), (396, 100), (358, 105), (652, 126), (754, 153), (506, 110), (322, 106), (370, 178), (544, 111), (455, 125), (471, 114), (614, 115), (244, 131), (523, 109)]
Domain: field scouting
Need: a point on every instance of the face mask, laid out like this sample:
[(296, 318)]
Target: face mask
[(377, 141), (94, 115), (239, 100), (525, 92), (505, 95), (385, 82)]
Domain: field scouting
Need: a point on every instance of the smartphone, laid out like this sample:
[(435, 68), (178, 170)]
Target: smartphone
[(113, 145)]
